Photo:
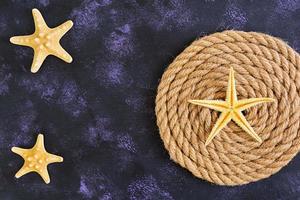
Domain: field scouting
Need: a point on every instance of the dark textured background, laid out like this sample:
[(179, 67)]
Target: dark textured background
[(98, 112)]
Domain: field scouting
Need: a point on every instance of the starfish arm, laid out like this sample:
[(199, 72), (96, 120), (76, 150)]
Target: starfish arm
[(223, 120), (24, 40), (38, 59), (240, 119), (23, 171), (59, 52), (212, 104), (39, 21), (39, 142), (231, 96), (247, 103), (51, 158), (62, 29), (19, 151), (45, 175)]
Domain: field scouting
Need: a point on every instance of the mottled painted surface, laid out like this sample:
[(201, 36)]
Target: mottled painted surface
[(98, 112)]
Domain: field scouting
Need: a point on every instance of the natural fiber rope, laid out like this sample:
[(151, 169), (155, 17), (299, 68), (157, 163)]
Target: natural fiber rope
[(264, 67)]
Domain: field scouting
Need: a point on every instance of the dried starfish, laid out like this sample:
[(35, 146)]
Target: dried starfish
[(36, 159), (44, 41), (231, 109)]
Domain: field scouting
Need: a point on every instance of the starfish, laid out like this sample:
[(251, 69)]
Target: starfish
[(44, 41), (36, 159), (231, 109)]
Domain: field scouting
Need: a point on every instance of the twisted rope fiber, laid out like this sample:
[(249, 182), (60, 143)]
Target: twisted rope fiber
[(264, 67)]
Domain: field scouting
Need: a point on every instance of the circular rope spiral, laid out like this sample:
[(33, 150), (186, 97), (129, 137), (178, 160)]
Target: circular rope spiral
[(264, 67)]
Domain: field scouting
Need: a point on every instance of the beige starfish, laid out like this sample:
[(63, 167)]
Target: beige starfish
[(231, 109), (36, 159), (44, 41)]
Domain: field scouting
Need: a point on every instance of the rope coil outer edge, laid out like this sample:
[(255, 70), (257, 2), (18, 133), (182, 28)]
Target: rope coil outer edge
[(265, 66)]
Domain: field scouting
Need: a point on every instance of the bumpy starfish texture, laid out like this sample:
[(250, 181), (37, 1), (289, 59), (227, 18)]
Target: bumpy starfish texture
[(231, 109), (36, 159), (44, 41)]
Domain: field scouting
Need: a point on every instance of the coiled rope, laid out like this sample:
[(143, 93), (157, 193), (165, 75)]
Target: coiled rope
[(264, 67)]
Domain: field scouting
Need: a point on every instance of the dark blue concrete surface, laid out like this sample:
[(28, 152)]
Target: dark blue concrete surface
[(98, 112)]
